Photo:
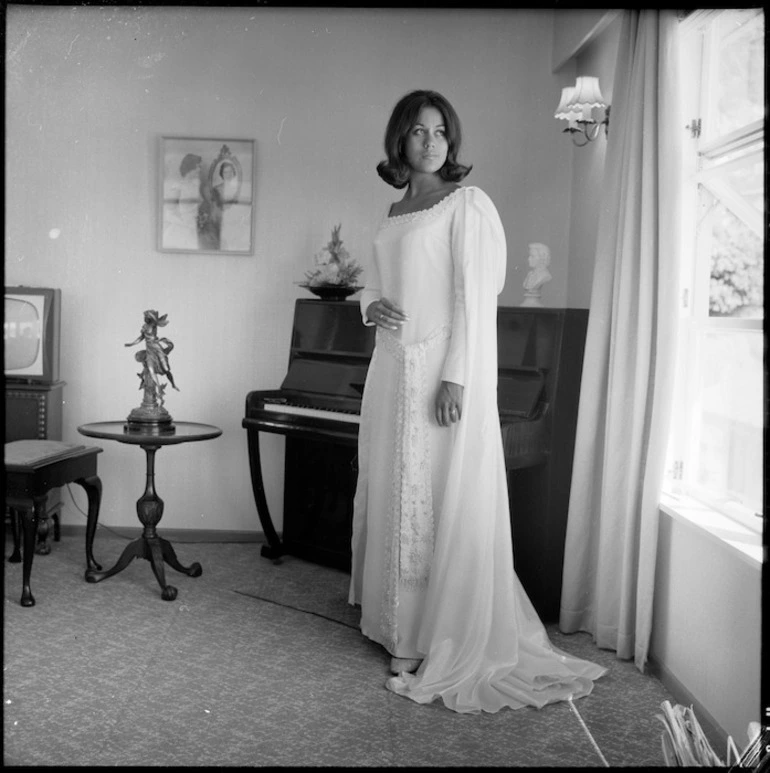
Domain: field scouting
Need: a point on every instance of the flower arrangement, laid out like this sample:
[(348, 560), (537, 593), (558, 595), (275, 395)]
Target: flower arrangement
[(334, 266)]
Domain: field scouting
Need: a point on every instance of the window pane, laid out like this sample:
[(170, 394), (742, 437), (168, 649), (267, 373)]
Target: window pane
[(727, 420), (743, 172), (739, 70), (736, 255)]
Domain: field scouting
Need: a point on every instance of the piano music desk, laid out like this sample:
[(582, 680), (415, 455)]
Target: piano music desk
[(149, 506)]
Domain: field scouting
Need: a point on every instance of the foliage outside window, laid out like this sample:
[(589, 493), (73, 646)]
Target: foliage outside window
[(716, 450)]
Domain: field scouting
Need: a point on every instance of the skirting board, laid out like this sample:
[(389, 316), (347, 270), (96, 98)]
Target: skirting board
[(716, 735), (173, 535)]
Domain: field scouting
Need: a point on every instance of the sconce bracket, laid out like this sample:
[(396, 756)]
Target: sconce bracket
[(589, 129)]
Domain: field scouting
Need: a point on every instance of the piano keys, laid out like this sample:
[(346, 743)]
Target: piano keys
[(317, 409), (283, 406)]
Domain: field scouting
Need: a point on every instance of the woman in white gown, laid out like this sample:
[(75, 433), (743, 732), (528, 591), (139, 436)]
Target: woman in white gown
[(432, 562), (182, 206)]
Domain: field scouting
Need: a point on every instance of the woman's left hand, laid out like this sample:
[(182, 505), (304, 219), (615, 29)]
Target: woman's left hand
[(449, 403)]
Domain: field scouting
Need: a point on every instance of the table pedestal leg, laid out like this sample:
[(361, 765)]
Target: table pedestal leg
[(135, 549), (149, 546)]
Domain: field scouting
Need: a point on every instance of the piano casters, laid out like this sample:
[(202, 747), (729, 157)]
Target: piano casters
[(274, 548), (151, 416), (150, 546)]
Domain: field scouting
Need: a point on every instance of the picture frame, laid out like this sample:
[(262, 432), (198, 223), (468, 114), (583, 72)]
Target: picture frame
[(206, 196)]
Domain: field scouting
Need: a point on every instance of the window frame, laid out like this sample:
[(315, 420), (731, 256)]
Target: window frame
[(698, 36)]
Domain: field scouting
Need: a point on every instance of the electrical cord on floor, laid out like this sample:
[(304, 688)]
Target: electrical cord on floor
[(298, 609), (130, 539), (98, 525)]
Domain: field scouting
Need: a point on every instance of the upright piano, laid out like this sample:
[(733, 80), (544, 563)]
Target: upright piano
[(317, 409)]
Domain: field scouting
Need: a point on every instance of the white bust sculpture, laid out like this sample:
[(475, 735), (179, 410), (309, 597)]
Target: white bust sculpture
[(539, 260)]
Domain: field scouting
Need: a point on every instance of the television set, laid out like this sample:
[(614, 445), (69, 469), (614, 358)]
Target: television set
[(31, 334)]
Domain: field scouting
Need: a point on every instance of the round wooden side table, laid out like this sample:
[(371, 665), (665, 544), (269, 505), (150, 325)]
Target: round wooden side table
[(149, 506)]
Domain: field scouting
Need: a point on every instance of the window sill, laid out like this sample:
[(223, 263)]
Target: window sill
[(745, 543)]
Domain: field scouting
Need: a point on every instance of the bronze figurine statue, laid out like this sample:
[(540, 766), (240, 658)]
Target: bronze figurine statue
[(154, 359)]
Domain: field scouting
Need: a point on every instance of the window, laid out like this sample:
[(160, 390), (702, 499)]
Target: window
[(716, 450)]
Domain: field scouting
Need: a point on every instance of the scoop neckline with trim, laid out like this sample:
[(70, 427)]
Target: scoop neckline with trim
[(406, 216)]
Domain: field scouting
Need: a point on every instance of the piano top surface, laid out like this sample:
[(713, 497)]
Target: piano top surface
[(331, 349)]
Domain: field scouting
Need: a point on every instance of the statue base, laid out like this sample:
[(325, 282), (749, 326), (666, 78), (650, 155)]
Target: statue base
[(532, 298), (152, 421)]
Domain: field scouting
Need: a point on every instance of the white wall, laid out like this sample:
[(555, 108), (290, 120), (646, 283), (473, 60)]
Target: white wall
[(89, 93), (707, 616), (596, 56)]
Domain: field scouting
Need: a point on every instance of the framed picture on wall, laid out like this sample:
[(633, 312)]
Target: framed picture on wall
[(206, 196)]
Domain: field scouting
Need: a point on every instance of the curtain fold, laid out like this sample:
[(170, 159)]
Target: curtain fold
[(627, 381)]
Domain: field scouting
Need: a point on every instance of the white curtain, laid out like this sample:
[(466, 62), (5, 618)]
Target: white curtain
[(627, 381)]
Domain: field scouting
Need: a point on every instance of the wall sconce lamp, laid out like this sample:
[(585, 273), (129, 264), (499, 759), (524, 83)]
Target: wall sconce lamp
[(576, 106)]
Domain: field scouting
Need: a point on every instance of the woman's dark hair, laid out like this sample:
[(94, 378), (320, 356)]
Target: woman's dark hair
[(189, 162), (395, 169)]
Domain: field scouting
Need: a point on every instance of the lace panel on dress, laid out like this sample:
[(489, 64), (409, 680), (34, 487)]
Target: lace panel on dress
[(409, 551)]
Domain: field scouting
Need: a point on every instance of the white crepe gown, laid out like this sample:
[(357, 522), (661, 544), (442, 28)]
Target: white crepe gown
[(432, 564)]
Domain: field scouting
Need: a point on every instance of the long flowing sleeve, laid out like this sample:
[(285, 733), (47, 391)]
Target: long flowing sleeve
[(370, 293), (478, 242), (372, 290)]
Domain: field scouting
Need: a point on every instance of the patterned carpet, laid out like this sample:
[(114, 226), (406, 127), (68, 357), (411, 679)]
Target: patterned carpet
[(256, 664)]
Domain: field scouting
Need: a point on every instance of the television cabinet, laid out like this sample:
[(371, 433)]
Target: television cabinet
[(33, 411)]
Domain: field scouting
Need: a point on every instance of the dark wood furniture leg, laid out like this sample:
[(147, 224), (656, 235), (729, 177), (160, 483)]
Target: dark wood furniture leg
[(93, 488), (45, 532), (43, 541), (274, 548), (42, 544), (30, 517), (15, 557), (150, 546)]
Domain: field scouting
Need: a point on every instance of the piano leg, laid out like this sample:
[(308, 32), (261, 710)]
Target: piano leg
[(274, 548)]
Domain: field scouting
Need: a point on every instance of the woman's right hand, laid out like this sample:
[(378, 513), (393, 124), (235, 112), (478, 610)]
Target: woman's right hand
[(385, 313)]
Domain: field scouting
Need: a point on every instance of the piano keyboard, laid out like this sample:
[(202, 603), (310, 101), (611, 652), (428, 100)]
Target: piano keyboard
[(318, 413)]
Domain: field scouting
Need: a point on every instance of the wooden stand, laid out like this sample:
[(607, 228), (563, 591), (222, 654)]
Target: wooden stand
[(34, 412), (149, 507), (30, 473)]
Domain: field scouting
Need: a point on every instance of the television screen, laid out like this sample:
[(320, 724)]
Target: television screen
[(31, 334)]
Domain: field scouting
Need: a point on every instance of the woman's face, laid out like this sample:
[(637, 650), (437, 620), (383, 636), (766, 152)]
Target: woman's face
[(228, 172), (426, 145)]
